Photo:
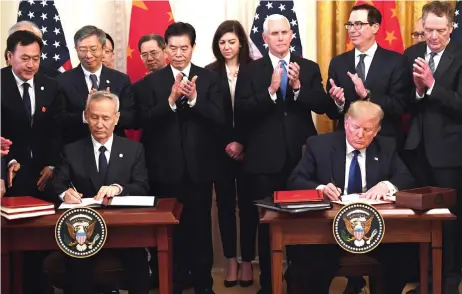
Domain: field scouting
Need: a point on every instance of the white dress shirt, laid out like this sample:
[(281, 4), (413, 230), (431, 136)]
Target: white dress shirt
[(436, 59), (87, 74), (107, 153), (186, 72), (362, 166), (275, 62)]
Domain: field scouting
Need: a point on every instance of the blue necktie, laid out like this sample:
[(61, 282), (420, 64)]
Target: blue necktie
[(284, 79), (26, 101), (355, 184), (94, 81), (102, 166)]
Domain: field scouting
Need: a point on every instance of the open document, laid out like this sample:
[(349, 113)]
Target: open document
[(118, 201), (359, 198)]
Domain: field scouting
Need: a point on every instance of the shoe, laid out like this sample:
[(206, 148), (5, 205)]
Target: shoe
[(229, 284), (246, 283)]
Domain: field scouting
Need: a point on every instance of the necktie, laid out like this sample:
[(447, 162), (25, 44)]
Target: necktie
[(94, 81), (283, 85), (361, 68), (102, 165), (431, 62), (183, 98), (354, 178), (26, 101)]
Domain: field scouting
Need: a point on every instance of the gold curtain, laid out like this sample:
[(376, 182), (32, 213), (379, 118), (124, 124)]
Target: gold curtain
[(332, 36)]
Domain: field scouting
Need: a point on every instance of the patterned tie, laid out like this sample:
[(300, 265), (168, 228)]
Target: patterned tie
[(94, 81), (354, 179), (361, 68), (431, 62), (26, 101), (284, 79), (183, 99), (102, 166)]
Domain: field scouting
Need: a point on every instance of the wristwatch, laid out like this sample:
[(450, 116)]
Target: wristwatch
[(368, 95)]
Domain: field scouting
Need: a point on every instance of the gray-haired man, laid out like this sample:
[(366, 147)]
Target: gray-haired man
[(91, 74)]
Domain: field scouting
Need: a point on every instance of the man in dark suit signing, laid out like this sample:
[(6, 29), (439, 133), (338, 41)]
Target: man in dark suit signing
[(103, 165), (354, 161), (92, 74), (369, 72), (181, 108), (274, 100), (435, 135)]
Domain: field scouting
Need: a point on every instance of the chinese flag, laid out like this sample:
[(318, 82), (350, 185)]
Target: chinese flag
[(147, 17)]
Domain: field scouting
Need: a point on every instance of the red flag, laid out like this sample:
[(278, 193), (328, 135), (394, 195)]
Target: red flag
[(147, 17)]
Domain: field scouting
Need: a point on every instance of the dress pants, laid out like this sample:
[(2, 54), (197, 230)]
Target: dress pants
[(226, 187), (452, 230), (192, 238), (80, 272)]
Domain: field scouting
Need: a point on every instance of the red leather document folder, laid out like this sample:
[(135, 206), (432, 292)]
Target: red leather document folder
[(24, 204), (297, 196)]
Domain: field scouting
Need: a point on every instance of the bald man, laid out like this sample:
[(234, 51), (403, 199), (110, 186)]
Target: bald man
[(32, 27)]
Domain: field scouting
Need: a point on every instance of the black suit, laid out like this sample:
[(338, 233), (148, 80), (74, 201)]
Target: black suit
[(78, 165), (273, 133), (42, 138), (435, 138), (76, 92), (388, 81), (323, 163), (180, 159), (49, 72)]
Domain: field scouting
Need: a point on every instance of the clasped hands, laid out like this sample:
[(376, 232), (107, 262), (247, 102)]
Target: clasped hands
[(235, 150), (337, 93), (74, 197), (293, 74), (45, 175), (379, 191), (422, 75), (183, 87)]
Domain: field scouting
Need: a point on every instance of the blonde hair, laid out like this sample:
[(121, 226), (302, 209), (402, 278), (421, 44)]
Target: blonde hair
[(103, 94), (364, 109)]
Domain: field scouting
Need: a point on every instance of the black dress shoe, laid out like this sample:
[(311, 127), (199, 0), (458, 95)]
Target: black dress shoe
[(230, 284), (246, 284)]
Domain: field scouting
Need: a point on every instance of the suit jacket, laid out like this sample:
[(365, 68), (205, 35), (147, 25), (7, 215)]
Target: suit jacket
[(49, 71), (388, 81), (43, 137), (76, 92), (436, 119), (78, 165), (181, 141), (324, 162), (270, 131)]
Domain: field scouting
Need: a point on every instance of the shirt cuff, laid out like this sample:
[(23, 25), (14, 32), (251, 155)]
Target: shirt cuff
[(392, 189), (51, 167), (320, 187), (192, 102), (11, 162), (173, 107), (418, 97), (296, 94), (120, 187), (429, 91), (83, 118), (61, 196), (273, 96), (340, 107)]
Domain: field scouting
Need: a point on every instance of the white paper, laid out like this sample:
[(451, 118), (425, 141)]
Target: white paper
[(86, 202), (358, 198), (133, 201)]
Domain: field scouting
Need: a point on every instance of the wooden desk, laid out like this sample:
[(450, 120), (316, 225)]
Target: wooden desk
[(401, 226), (127, 227)]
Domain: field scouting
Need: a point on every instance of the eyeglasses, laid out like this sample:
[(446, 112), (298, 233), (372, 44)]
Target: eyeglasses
[(107, 51), (93, 50), (416, 35), (357, 25), (153, 54)]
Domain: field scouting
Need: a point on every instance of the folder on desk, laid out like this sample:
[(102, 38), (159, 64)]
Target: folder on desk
[(292, 207)]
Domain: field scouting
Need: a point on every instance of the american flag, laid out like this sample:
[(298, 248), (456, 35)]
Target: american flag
[(55, 53), (457, 32), (266, 8)]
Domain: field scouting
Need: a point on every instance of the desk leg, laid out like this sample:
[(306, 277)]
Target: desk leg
[(437, 255), (276, 258), (164, 254), (17, 272), (424, 248), (6, 273)]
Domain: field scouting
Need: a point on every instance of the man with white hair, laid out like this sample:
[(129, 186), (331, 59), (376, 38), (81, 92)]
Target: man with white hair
[(273, 105), (103, 165), (26, 25)]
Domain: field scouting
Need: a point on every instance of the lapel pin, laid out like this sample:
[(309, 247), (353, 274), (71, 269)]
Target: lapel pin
[(44, 109), (121, 155), (42, 88), (376, 158), (107, 81)]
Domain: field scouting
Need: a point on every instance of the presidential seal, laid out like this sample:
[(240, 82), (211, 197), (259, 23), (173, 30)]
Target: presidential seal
[(80, 232), (358, 228)]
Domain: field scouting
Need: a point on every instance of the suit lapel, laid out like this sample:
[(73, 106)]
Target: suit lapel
[(372, 164), (114, 161), (339, 161), (90, 164), (104, 79), (350, 67), (16, 99), (376, 64), (79, 81), (445, 61), (40, 97)]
